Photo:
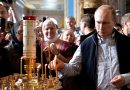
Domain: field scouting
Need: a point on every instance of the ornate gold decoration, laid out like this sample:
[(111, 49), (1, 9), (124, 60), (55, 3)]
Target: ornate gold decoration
[(92, 3), (31, 80)]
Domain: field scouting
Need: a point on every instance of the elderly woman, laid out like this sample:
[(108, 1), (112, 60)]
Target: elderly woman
[(68, 35), (52, 45)]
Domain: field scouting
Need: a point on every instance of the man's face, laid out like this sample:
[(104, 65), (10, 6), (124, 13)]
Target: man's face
[(104, 23), (3, 12), (82, 26), (70, 24)]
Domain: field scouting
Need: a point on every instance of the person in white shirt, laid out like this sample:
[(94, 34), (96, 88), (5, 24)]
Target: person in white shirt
[(102, 60)]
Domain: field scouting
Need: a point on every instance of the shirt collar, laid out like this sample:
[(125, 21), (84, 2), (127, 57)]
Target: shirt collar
[(108, 39)]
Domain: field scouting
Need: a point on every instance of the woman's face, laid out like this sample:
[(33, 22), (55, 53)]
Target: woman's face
[(50, 31), (19, 34), (69, 36)]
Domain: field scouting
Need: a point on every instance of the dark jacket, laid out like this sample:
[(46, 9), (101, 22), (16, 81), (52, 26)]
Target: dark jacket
[(4, 63), (89, 47), (83, 37), (15, 50)]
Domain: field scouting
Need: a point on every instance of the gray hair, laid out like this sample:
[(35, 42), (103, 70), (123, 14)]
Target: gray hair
[(89, 20), (70, 18), (48, 22), (125, 18)]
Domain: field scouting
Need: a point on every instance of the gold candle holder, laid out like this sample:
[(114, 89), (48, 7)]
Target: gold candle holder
[(29, 67), (50, 83), (55, 60), (12, 84), (3, 83), (38, 65)]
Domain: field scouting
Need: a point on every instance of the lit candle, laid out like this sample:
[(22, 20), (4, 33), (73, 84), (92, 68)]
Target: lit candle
[(45, 70), (55, 66), (55, 58), (49, 57), (21, 65), (41, 56)]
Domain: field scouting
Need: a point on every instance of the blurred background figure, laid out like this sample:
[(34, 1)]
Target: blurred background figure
[(38, 30), (70, 24), (77, 40), (125, 22), (3, 23), (87, 26), (68, 35), (7, 16), (15, 47), (118, 27), (6, 37)]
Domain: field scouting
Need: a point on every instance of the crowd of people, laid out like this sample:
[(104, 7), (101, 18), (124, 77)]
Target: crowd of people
[(93, 56)]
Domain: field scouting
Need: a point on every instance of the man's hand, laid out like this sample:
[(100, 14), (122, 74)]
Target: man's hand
[(118, 81), (56, 65)]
